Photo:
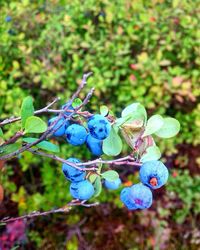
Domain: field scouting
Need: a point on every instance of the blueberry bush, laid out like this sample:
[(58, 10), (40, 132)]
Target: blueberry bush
[(75, 125), (139, 51)]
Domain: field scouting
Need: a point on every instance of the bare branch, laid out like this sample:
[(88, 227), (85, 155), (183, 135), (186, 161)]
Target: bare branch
[(48, 133), (15, 119), (57, 158), (46, 109), (128, 160), (64, 209)]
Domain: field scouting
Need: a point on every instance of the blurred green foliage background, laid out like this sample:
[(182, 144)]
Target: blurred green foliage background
[(143, 51)]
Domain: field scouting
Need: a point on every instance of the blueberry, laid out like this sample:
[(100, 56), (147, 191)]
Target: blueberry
[(137, 196), (69, 108), (113, 184), (99, 127), (124, 198), (11, 32), (82, 190), (8, 19), (94, 145), (153, 174), (71, 173), (76, 134), (60, 126)]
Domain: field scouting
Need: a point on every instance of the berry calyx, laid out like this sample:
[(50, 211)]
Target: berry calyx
[(153, 181)]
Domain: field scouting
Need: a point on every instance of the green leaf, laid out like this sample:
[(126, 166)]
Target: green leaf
[(104, 110), (92, 177), (112, 145), (7, 149), (122, 120), (27, 109), (152, 153), (35, 125), (1, 133), (134, 111), (154, 123), (97, 186), (76, 103), (110, 175), (170, 128), (45, 145)]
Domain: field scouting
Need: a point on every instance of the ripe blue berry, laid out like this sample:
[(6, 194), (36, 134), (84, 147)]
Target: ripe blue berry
[(82, 190), (137, 196), (94, 145), (71, 173), (76, 134), (69, 108), (99, 127), (60, 126), (124, 198), (113, 184), (8, 19), (153, 174)]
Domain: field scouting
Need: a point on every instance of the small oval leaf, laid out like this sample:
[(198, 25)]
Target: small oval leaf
[(27, 109), (135, 111), (76, 103), (112, 145), (92, 177), (35, 125), (152, 153), (7, 149), (154, 123), (110, 175), (97, 186), (170, 128), (1, 133), (104, 110), (45, 145)]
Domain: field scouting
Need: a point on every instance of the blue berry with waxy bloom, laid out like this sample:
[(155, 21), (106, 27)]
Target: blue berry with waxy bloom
[(112, 185), (69, 108), (153, 174), (82, 190), (99, 127), (125, 200), (94, 145), (137, 196), (71, 173), (8, 19), (76, 134), (59, 127)]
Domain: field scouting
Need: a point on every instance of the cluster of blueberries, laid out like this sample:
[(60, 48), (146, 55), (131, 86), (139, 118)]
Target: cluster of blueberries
[(98, 129), (80, 187), (153, 174)]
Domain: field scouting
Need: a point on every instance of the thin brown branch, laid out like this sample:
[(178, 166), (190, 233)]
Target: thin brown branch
[(48, 133), (128, 160), (15, 119), (64, 209), (57, 158), (14, 138)]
